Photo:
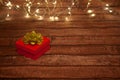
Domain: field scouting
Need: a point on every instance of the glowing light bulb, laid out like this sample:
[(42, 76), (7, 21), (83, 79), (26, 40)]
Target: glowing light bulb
[(110, 11), (37, 11), (106, 8), (56, 18), (30, 3), (9, 5), (46, 1), (52, 18), (69, 12), (89, 11), (55, 2), (40, 18), (93, 15), (88, 3), (107, 5), (17, 6), (69, 8), (27, 16), (8, 17), (73, 3), (27, 5), (67, 19), (38, 3)]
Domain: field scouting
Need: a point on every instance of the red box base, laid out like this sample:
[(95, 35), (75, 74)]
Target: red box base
[(34, 57), (33, 51)]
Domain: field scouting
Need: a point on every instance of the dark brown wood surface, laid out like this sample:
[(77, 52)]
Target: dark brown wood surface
[(81, 49)]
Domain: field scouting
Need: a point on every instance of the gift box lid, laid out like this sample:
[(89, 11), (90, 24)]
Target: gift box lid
[(33, 48)]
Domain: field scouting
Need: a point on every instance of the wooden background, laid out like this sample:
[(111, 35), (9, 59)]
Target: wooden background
[(83, 49)]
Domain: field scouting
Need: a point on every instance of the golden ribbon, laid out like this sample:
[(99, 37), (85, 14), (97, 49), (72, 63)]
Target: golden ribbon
[(33, 38)]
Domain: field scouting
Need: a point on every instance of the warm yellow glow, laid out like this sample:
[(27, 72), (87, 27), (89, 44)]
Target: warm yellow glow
[(56, 18), (69, 12), (107, 5), (17, 6), (67, 19), (38, 3), (9, 5), (69, 8), (73, 3), (37, 11), (106, 8), (40, 17), (51, 18), (34, 9), (110, 11), (30, 2), (27, 4), (93, 15), (8, 17), (27, 16), (55, 2), (89, 11), (88, 3), (46, 1)]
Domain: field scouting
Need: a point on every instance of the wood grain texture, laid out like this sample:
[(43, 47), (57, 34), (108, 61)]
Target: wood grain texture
[(63, 32), (62, 60), (60, 25), (59, 72), (82, 49), (71, 50)]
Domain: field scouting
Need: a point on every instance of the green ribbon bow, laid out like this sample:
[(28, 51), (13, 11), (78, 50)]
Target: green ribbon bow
[(33, 38)]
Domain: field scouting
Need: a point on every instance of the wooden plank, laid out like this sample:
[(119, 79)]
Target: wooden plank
[(71, 50), (63, 32), (62, 60), (82, 40), (59, 72), (4, 41), (58, 25), (62, 78)]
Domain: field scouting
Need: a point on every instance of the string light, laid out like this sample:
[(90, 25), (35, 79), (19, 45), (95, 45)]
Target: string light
[(107, 8), (110, 11), (67, 19), (56, 18), (107, 5), (51, 18), (90, 11), (27, 16), (40, 13), (17, 6), (40, 18), (8, 17), (89, 2), (9, 5), (93, 15)]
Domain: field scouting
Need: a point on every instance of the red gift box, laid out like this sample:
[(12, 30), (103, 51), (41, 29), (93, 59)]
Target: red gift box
[(33, 51)]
